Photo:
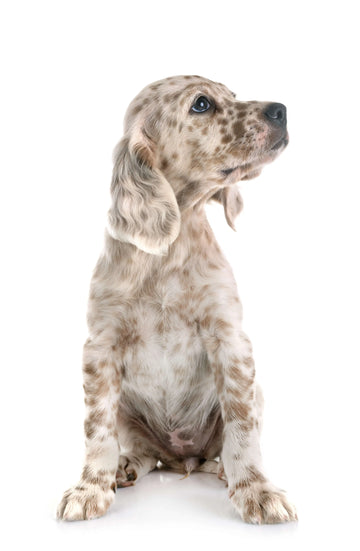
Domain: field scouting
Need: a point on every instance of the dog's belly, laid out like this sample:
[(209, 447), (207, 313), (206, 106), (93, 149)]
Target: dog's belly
[(168, 395), (168, 436)]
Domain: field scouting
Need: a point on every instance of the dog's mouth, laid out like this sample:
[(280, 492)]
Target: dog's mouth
[(281, 143), (247, 169), (245, 172), (228, 171), (243, 169)]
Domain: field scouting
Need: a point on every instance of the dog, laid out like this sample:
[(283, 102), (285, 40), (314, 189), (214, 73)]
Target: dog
[(169, 377)]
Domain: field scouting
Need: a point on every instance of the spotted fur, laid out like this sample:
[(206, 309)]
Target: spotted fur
[(168, 372)]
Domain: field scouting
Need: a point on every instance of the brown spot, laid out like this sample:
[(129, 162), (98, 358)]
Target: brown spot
[(136, 109), (252, 475), (90, 369), (251, 508), (241, 110), (90, 401), (219, 378), (127, 337), (88, 475), (223, 327), (248, 362), (157, 115), (237, 410), (94, 419), (223, 121), (238, 129), (164, 164), (243, 382), (207, 321), (89, 429), (226, 139)]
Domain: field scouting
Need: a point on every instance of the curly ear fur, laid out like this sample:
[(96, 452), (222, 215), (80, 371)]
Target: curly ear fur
[(144, 210), (232, 202)]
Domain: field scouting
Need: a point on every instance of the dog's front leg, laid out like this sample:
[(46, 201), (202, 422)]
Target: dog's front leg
[(94, 493), (230, 355)]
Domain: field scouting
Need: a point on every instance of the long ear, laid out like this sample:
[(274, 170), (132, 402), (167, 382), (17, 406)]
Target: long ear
[(144, 210), (232, 202)]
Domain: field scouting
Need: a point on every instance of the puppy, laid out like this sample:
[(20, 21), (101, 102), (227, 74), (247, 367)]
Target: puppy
[(168, 372)]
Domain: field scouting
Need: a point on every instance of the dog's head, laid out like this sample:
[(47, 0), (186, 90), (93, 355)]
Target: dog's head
[(187, 140)]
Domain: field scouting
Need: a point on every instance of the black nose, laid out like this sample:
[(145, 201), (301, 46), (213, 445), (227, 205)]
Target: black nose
[(276, 113)]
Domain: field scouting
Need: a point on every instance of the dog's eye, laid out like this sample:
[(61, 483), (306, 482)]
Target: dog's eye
[(201, 105)]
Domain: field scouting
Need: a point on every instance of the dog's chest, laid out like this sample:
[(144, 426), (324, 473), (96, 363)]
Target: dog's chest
[(164, 360), (163, 343), (162, 320)]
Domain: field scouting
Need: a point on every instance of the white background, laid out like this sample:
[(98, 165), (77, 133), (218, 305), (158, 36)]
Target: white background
[(68, 71)]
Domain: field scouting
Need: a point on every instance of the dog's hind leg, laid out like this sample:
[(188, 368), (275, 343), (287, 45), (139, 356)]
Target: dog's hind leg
[(133, 467)]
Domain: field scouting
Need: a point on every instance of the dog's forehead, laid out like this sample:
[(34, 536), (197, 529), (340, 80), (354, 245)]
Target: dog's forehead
[(175, 87)]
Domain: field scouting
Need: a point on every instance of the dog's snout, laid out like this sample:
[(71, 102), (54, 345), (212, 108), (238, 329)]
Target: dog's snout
[(276, 114)]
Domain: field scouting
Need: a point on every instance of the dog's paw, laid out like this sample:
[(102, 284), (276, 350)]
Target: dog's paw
[(126, 474), (85, 502), (262, 503)]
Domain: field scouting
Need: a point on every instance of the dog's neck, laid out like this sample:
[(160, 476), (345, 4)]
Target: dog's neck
[(194, 227), (126, 271)]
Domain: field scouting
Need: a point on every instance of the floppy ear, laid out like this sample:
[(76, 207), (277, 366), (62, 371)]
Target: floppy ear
[(232, 202), (144, 210)]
